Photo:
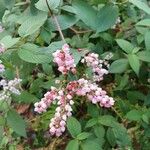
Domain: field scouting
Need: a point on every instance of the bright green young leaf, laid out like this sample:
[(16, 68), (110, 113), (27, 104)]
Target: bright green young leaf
[(74, 127), (134, 115), (147, 40), (141, 5), (8, 41), (15, 121), (119, 66), (134, 63), (125, 45), (73, 145), (106, 17), (144, 56), (65, 22)]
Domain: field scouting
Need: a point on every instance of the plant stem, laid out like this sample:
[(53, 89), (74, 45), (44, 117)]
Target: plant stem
[(56, 22)]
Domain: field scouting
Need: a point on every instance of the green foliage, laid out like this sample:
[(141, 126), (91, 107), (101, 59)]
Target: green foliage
[(15, 121), (30, 37)]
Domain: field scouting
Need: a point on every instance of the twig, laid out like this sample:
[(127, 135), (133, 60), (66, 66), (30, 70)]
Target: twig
[(56, 22), (18, 77), (79, 32)]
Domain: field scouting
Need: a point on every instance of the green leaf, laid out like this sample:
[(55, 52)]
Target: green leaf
[(83, 135), (93, 110), (141, 5), (125, 45), (111, 137), (31, 23), (144, 22), (147, 40), (134, 115), (73, 145), (2, 9), (32, 54), (8, 41), (53, 4), (25, 97), (85, 12), (144, 56), (9, 3), (15, 121), (65, 21), (99, 131), (107, 120), (73, 126), (122, 138), (134, 63), (119, 66), (91, 122), (106, 17), (91, 145)]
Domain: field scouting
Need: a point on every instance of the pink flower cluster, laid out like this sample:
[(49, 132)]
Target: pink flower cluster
[(64, 60), (91, 90), (93, 61), (63, 111), (63, 96), (45, 102)]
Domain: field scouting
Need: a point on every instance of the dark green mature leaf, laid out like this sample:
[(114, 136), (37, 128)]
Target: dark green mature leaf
[(30, 53), (74, 127), (65, 22), (25, 97), (106, 17), (107, 120), (9, 3), (119, 66), (122, 138), (99, 131), (145, 22), (83, 135), (31, 22), (73, 145), (144, 56), (141, 5), (111, 137), (85, 12), (125, 45), (91, 145), (53, 4), (2, 9), (134, 63), (15, 121), (8, 41), (134, 115), (147, 40)]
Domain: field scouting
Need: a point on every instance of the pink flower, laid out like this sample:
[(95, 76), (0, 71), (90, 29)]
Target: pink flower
[(64, 59)]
